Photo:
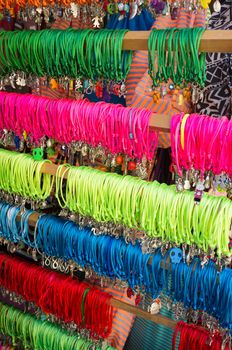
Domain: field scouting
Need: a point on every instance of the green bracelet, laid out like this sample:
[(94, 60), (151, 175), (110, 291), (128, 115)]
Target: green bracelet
[(20, 174), (182, 63), (154, 208)]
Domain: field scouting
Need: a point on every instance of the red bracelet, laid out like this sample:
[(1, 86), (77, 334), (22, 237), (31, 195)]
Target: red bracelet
[(58, 294)]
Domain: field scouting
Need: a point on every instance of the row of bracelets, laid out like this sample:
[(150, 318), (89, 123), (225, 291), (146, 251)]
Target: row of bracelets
[(24, 329), (118, 130), (196, 284), (59, 295), (157, 209)]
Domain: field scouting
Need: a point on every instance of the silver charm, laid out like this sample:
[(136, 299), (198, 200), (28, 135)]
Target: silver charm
[(207, 182), (74, 9), (179, 185), (134, 10), (120, 7), (155, 307), (96, 22), (217, 6)]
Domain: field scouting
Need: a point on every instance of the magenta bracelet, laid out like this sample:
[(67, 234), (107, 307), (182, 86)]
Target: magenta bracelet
[(116, 128), (207, 145)]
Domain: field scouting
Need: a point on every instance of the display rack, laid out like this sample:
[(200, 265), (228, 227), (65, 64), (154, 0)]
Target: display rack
[(212, 41)]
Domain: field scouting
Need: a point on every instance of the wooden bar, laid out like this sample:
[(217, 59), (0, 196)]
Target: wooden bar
[(51, 169), (160, 319), (160, 122), (212, 41)]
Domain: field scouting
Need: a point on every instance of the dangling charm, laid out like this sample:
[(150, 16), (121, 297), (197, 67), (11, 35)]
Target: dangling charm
[(198, 192), (187, 185), (176, 255), (156, 96), (133, 10), (217, 6), (195, 96), (96, 22), (207, 182), (163, 90), (138, 299), (179, 185), (84, 150), (34, 255), (130, 292), (78, 85), (37, 153), (155, 307)]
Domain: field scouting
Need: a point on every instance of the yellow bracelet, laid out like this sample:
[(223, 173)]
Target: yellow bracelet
[(182, 130)]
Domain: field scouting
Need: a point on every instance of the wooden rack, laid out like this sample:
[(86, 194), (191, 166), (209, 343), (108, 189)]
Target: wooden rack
[(212, 41), (163, 320), (160, 122)]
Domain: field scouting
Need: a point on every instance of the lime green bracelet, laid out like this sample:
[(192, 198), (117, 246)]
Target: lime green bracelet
[(22, 175), (154, 208), (36, 334)]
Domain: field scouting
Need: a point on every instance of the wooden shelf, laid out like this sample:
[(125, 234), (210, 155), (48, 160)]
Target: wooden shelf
[(160, 122), (49, 168), (212, 41), (160, 319)]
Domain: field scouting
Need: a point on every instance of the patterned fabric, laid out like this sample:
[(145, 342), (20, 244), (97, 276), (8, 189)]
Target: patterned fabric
[(139, 93), (161, 168), (147, 335), (122, 320), (216, 97), (143, 21)]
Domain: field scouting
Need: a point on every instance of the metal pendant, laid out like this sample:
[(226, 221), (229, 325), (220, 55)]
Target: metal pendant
[(134, 10), (155, 307), (217, 6)]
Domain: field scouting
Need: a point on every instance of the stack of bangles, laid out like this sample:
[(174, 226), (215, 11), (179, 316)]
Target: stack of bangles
[(186, 65), (154, 208), (22, 175), (157, 209), (44, 53), (197, 284), (193, 337), (202, 143), (24, 329), (117, 129), (59, 295)]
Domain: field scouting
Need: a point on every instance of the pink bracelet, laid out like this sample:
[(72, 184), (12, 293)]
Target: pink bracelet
[(116, 128), (208, 144)]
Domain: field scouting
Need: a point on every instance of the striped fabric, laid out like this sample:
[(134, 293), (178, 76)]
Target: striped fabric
[(46, 90), (122, 321), (76, 23), (61, 23), (137, 70), (147, 335), (139, 93)]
